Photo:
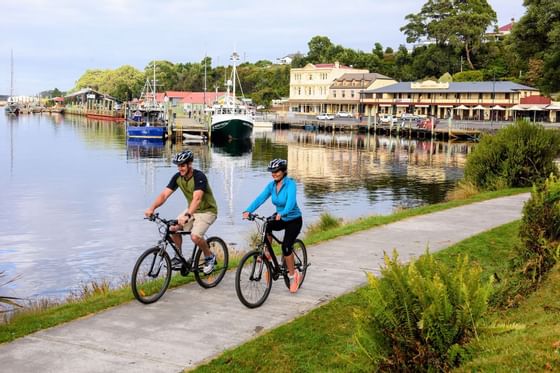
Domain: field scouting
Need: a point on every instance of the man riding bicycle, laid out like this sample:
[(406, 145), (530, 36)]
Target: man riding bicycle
[(201, 211), (282, 191)]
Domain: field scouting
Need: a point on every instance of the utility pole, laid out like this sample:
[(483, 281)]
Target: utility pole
[(205, 81)]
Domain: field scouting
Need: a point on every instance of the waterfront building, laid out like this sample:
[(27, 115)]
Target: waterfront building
[(93, 104), (310, 86), (190, 103), (488, 100), (344, 92)]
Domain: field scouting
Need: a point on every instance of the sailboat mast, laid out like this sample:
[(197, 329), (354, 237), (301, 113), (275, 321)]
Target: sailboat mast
[(204, 81), (12, 73), (234, 58), (154, 85)]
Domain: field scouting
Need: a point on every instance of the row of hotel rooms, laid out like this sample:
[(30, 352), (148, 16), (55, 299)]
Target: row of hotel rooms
[(332, 88)]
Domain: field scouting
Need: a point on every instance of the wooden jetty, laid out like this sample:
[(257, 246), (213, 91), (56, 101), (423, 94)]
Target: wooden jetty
[(408, 129), (185, 125)]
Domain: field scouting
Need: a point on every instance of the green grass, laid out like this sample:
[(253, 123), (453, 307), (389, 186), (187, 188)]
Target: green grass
[(534, 347), (323, 339), (41, 317)]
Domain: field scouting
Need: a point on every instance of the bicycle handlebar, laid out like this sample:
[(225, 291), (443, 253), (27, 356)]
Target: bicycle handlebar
[(253, 217), (155, 217)]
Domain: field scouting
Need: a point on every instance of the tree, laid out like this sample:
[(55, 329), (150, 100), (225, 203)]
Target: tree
[(320, 49), (536, 37), (458, 23)]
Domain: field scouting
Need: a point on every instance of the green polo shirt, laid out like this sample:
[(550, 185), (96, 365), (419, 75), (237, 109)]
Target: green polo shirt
[(198, 181)]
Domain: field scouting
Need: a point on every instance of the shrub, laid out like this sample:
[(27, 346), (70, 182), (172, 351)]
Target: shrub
[(326, 222), (419, 314), (540, 230), (519, 155)]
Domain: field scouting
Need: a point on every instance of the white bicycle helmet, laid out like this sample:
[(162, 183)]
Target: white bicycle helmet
[(183, 157), (277, 164)]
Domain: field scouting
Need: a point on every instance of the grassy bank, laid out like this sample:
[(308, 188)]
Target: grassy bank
[(44, 316), (323, 339)]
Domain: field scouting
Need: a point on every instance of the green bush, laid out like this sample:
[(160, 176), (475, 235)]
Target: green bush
[(540, 229), (326, 222), (519, 155), (419, 314)]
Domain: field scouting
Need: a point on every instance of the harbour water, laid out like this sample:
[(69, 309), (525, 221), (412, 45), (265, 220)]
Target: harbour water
[(73, 191)]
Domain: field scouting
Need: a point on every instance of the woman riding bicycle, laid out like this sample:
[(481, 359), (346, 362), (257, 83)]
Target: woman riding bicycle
[(282, 191)]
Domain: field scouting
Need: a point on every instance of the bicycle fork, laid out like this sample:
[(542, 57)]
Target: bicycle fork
[(155, 263)]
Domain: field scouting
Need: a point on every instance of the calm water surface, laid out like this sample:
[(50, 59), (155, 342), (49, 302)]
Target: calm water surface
[(73, 191)]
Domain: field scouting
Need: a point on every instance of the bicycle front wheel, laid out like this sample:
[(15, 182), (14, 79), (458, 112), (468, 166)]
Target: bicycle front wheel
[(253, 279), (151, 275), (300, 261), (219, 248)]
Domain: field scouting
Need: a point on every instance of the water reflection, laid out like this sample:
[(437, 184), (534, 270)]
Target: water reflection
[(72, 209)]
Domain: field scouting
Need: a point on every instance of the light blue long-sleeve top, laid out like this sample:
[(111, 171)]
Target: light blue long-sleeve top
[(284, 199)]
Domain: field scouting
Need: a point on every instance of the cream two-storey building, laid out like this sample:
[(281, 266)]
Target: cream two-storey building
[(310, 86)]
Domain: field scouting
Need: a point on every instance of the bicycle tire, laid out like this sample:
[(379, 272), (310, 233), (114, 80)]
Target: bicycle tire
[(218, 248), (148, 287), (253, 279), (300, 261)]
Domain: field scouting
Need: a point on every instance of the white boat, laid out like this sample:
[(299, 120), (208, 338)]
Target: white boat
[(231, 120), (193, 139)]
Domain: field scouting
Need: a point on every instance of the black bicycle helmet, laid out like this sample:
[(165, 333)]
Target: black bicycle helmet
[(183, 157), (277, 164)]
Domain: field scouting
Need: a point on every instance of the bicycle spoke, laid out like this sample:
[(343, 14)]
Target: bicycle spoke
[(253, 280), (151, 275), (219, 249)]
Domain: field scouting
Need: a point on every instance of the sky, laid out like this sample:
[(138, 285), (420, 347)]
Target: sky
[(55, 42)]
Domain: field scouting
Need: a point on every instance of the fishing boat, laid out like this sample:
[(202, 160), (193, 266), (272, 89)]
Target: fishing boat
[(12, 106), (146, 118), (231, 120)]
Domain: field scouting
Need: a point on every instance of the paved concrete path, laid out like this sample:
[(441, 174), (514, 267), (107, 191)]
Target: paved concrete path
[(190, 324)]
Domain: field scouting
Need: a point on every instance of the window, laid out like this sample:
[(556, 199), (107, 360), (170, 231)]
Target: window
[(310, 76), (343, 94), (352, 93), (334, 93)]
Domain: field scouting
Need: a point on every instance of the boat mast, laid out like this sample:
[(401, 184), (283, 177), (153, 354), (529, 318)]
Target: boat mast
[(12, 74), (205, 82), (234, 58)]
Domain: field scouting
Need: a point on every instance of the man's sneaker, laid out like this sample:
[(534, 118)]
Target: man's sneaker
[(295, 282), (176, 263), (209, 263)]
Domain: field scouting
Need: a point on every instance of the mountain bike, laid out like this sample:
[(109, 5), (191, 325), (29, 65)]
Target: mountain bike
[(152, 272), (259, 267)]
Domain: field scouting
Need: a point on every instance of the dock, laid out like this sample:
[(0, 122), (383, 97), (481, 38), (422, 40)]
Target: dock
[(184, 125), (444, 130)]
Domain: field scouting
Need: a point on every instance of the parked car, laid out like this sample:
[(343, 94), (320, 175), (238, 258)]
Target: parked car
[(343, 114), (387, 119), (409, 116), (325, 116)]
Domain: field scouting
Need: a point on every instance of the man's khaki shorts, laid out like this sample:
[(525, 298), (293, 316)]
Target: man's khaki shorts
[(199, 223)]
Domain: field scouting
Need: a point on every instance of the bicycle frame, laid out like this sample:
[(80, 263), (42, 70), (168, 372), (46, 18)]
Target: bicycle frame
[(164, 227), (277, 269)]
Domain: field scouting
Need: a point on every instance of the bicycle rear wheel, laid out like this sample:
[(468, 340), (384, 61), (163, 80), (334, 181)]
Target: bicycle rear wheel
[(300, 261), (253, 279), (151, 275), (219, 248)]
